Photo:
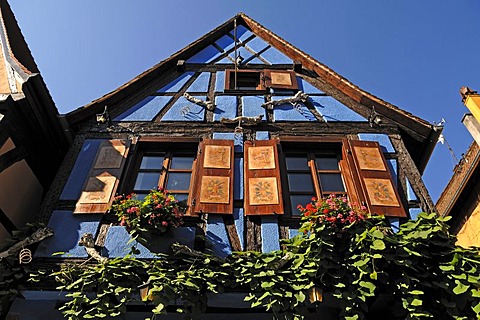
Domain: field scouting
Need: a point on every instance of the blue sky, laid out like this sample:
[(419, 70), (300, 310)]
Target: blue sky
[(414, 54)]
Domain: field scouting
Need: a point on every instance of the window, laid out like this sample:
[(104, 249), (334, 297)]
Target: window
[(312, 173), (244, 80), (161, 165), (254, 80)]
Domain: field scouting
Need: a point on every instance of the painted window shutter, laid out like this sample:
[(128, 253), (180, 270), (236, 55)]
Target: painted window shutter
[(263, 190), (280, 79), (214, 178), (372, 178), (103, 178)]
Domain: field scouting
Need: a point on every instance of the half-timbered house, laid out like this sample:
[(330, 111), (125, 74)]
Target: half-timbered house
[(239, 108)]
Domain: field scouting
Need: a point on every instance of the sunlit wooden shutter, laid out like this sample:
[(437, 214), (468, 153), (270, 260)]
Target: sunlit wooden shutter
[(103, 178), (372, 178), (280, 79), (214, 180), (263, 190)]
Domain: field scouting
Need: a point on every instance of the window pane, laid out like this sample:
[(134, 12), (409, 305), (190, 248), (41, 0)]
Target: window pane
[(326, 162), (182, 162), (297, 199), (152, 162), (331, 182), (178, 180), (181, 197), (300, 182), (141, 196), (147, 180), (297, 163)]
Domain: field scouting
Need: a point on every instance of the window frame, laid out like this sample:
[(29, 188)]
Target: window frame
[(311, 148), (229, 86), (163, 145), (266, 80)]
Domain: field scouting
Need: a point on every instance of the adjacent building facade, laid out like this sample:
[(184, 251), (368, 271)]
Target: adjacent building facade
[(241, 127), (461, 197), (33, 141)]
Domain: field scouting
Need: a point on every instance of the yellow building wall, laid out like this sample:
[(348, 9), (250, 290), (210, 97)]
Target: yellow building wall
[(469, 235), (20, 192)]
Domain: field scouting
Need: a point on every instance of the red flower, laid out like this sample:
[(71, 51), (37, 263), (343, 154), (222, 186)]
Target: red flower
[(326, 211)]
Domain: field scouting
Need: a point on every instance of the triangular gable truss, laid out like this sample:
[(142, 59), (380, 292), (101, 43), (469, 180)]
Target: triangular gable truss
[(419, 134)]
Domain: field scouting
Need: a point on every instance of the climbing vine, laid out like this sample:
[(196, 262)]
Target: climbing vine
[(418, 270)]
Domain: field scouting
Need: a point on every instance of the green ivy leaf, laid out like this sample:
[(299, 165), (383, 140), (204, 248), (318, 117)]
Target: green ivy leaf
[(416, 302), (476, 308), (378, 245), (460, 288), (300, 296)]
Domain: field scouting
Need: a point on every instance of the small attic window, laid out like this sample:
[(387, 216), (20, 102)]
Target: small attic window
[(260, 80), (245, 80)]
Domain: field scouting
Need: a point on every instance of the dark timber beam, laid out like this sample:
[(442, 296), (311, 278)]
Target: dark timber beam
[(412, 173), (11, 157)]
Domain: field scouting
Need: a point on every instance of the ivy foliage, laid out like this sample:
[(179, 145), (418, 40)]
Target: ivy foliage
[(418, 270), (13, 275)]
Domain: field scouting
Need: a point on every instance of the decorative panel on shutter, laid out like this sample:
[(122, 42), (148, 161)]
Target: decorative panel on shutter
[(374, 179), (263, 190), (103, 178), (281, 79), (214, 180)]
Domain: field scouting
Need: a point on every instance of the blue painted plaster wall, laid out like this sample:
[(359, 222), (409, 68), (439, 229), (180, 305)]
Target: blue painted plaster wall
[(216, 238), (270, 234), (394, 223), (239, 219), (116, 242), (226, 107), (307, 87), (242, 33), (220, 81), (238, 176), (262, 135), (238, 162), (226, 43), (207, 55), (78, 175), (257, 44), (274, 56), (237, 139), (382, 139), (293, 232), (178, 83), (287, 112), (392, 165), (225, 60), (68, 229), (411, 196), (252, 106), (201, 83), (332, 110), (414, 212), (146, 110), (184, 110)]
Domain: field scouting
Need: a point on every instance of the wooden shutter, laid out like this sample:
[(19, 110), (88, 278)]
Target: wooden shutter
[(263, 190), (214, 177), (372, 180), (280, 79), (103, 178)]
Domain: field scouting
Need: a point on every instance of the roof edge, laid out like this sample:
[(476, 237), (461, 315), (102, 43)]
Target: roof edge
[(456, 185), (422, 127)]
